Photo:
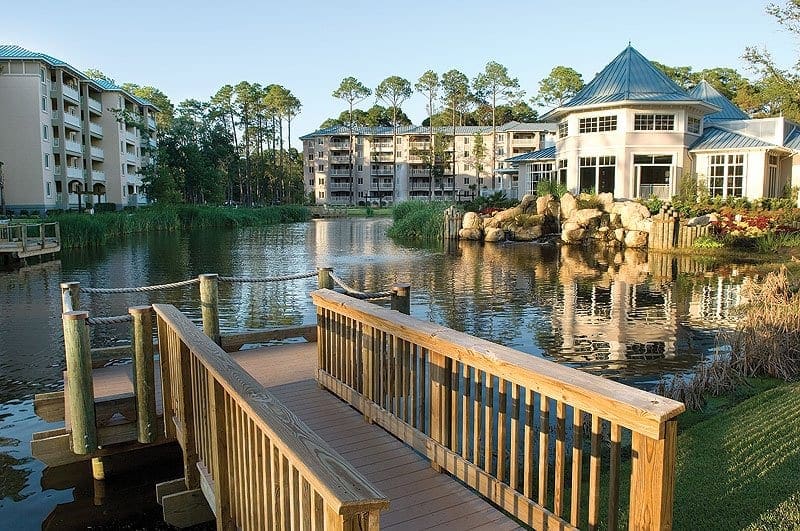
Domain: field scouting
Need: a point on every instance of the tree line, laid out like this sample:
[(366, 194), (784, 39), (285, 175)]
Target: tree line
[(232, 148)]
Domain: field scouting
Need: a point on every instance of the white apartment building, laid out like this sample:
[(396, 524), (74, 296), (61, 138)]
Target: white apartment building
[(63, 142), (365, 168)]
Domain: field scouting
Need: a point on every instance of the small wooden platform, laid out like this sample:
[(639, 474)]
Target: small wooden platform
[(420, 497)]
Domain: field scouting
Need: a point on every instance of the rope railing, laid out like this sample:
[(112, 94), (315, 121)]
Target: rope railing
[(364, 295), (113, 319), (142, 289), (269, 279)]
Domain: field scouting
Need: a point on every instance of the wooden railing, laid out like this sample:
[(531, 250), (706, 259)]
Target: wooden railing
[(542, 441), (258, 466)]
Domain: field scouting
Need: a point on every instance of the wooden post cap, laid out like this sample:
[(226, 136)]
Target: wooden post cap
[(208, 276), (136, 310), (400, 287), (68, 285), (75, 316)]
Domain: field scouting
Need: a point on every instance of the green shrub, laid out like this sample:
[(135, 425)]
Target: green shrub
[(105, 207), (589, 200), (707, 242), (553, 188)]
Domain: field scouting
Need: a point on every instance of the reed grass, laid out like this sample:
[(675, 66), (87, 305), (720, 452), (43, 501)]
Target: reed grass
[(83, 230), (418, 221)]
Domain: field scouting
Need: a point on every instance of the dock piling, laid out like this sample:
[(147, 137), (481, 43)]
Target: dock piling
[(401, 297), (324, 276), (79, 380), (143, 377), (209, 305)]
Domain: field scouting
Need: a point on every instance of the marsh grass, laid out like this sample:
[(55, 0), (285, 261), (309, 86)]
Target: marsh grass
[(83, 230), (418, 221)]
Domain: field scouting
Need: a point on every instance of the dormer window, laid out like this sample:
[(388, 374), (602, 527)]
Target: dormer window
[(693, 125), (563, 129)]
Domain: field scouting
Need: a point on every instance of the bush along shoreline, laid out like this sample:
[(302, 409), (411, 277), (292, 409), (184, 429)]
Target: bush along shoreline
[(84, 230)]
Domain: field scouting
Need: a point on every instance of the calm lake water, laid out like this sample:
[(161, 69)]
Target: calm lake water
[(627, 316)]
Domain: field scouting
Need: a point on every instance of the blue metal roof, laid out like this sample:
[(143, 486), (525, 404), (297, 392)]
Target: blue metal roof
[(111, 87), (548, 153), (792, 140), (424, 130), (728, 111), (628, 77), (718, 138)]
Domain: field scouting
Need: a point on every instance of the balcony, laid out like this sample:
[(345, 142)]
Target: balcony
[(97, 152), (151, 122), (95, 105), (151, 142), (339, 146), (380, 171), (420, 145), (419, 173), (95, 129), (71, 93), (340, 186), (339, 173), (339, 159), (381, 186), (526, 142), (130, 136), (69, 119), (131, 157), (98, 175), (382, 146), (380, 157), (72, 173), (421, 186), (73, 147)]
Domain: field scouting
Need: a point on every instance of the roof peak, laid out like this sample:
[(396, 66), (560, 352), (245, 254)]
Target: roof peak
[(706, 92)]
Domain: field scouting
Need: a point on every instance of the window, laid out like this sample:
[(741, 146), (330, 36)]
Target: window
[(562, 171), (360, 167), (44, 103), (466, 140), (48, 189), (466, 181), (311, 169), (501, 151), (501, 138), (47, 160), (43, 78), (311, 182), (588, 125), (597, 174), (310, 156), (563, 129), (45, 132), (466, 166), (319, 154), (693, 125), (360, 180), (653, 174), (772, 181), (654, 122), (321, 194), (607, 123), (321, 167), (725, 175), (466, 154), (540, 171), (320, 141)]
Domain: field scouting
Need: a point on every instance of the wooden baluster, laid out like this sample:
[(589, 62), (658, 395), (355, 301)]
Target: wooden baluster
[(560, 463), (514, 456), (577, 466), (437, 395), (412, 377), (488, 423), (367, 367), (613, 478), (544, 444), (594, 474), (164, 353), (653, 479), (477, 418), (466, 398), (501, 429), (219, 464), (266, 481), (397, 370), (528, 446)]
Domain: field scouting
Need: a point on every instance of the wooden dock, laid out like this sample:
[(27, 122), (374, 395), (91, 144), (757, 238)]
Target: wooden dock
[(379, 421), (27, 240)]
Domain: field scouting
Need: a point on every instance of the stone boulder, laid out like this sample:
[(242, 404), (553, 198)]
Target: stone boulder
[(702, 221), (494, 235), (568, 205), (470, 234), (607, 200), (586, 216), (619, 235), (630, 213), (553, 209), (526, 206), (524, 234), (635, 239), (541, 204), (472, 220), (571, 232)]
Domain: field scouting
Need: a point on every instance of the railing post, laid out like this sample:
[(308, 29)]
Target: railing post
[(144, 388), (401, 297), (70, 296), (653, 479), (41, 235), (209, 305), (80, 398), (58, 233), (324, 278)]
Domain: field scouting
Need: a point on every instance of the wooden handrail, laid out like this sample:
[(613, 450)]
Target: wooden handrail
[(222, 415), (519, 429)]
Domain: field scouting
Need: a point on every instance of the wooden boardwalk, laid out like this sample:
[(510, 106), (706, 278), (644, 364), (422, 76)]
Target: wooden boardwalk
[(420, 497), (27, 240)]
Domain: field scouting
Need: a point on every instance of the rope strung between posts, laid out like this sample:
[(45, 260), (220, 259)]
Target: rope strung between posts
[(268, 279), (142, 289), (114, 319), (364, 295)]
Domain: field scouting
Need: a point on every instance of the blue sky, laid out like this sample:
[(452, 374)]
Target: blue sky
[(190, 49)]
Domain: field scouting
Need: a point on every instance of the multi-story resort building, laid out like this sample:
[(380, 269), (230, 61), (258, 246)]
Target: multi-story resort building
[(67, 140), (367, 168), (633, 132)]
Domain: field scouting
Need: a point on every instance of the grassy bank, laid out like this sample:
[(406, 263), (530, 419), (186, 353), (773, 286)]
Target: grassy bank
[(83, 230), (418, 221)]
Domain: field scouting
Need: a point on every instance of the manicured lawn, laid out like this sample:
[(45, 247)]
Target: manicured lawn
[(740, 469)]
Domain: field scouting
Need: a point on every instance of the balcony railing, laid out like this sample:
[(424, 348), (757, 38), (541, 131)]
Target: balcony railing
[(661, 191), (69, 119), (97, 152), (340, 186), (98, 175), (339, 173), (380, 157), (419, 173), (72, 173), (420, 145), (95, 105), (71, 93), (131, 136), (95, 128), (339, 159), (338, 146), (421, 186), (131, 157), (381, 186), (380, 171), (74, 147), (151, 122), (383, 146)]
